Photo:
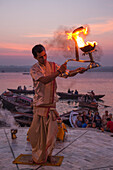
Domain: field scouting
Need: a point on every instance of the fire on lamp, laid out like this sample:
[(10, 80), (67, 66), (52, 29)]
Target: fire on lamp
[(87, 48)]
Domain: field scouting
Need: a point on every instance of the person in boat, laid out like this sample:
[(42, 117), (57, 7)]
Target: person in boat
[(19, 88), (70, 91), (87, 99), (76, 92), (25, 88), (43, 130), (91, 96), (92, 92)]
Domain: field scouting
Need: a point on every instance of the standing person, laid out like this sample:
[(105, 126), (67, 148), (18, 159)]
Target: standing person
[(104, 119), (43, 130)]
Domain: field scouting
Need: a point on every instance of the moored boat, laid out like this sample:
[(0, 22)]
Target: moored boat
[(13, 102), (64, 95), (23, 119), (22, 91), (90, 105)]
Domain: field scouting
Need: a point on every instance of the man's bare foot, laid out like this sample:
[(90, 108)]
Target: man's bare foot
[(51, 159)]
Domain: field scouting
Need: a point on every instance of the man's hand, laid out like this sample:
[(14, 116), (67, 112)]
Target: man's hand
[(63, 68)]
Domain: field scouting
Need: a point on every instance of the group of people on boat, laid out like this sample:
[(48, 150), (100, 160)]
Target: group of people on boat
[(94, 120), (20, 88), (72, 91), (87, 99), (91, 93)]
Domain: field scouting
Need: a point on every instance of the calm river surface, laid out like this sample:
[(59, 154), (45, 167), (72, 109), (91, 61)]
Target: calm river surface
[(100, 82)]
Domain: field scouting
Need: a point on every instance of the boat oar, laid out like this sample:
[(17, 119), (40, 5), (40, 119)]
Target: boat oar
[(104, 105)]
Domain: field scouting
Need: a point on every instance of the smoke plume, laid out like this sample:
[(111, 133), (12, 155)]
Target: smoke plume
[(59, 45)]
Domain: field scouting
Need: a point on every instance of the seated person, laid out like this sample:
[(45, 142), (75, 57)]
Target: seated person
[(97, 120), (76, 92), (69, 91), (111, 117), (93, 125), (84, 117), (79, 121), (109, 125), (92, 92), (25, 88), (19, 88), (90, 117), (85, 125)]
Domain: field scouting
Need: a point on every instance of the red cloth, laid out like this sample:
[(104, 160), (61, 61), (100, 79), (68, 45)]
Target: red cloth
[(110, 126)]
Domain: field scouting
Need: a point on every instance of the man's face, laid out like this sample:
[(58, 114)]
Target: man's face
[(42, 57)]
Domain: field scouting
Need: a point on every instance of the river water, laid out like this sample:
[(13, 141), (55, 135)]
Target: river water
[(100, 82)]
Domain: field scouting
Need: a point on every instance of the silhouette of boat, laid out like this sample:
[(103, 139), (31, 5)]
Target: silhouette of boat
[(64, 95), (22, 91)]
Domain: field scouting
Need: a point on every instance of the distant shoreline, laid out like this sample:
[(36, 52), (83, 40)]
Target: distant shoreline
[(26, 69)]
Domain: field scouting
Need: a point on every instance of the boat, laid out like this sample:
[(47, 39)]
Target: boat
[(14, 102), (26, 73), (23, 119), (88, 101), (90, 105), (22, 91), (69, 118), (63, 95)]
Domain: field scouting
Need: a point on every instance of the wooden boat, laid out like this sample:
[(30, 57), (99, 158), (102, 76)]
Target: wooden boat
[(90, 105), (88, 101), (22, 91), (23, 119), (64, 95), (13, 102)]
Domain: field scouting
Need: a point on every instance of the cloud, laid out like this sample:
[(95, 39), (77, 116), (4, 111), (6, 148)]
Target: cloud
[(101, 28), (14, 46), (38, 35)]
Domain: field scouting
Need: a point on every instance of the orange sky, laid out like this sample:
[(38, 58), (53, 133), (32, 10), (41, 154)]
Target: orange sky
[(20, 31)]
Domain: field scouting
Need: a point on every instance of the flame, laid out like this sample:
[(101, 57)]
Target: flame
[(68, 48), (80, 41)]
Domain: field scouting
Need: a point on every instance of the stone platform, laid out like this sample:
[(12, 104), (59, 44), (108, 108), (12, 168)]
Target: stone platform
[(83, 149)]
